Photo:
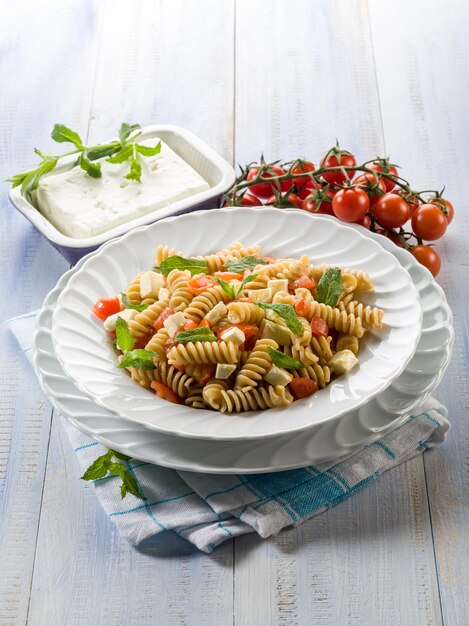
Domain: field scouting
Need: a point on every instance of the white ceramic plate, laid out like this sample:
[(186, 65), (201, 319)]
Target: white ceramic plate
[(332, 440), (86, 353)]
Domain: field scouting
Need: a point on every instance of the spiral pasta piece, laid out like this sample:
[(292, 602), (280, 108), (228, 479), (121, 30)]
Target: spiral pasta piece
[(203, 303), (283, 297), (195, 398), (371, 317), (216, 262), (321, 374), (163, 252), (133, 290), (178, 285), (305, 338), (347, 342), (256, 366), (337, 319), (158, 343), (239, 312), (203, 352), (226, 400), (304, 354), (143, 321), (322, 347), (178, 381)]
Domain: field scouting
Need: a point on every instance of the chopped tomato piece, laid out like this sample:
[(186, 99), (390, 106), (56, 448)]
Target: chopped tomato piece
[(165, 392), (227, 276), (244, 299), (302, 307), (141, 342), (180, 368), (199, 284), (161, 318), (319, 327), (203, 323), (169, 344), (106, 307), (303, 387), (189, 325), (249, 330), (207, 372), (304, 282), (249, 343)]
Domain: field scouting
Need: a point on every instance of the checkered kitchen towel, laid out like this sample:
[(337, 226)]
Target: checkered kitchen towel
[(208, 509)]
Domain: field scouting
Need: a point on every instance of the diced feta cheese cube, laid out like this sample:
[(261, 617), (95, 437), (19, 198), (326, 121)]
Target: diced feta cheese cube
[(278, 284), (233, 335), (215, 315), (343, 361), (174, 323), (260, 295), (150, 284), (111, 321), (163, 294), (277, 376), (224, 370), (278, 333)]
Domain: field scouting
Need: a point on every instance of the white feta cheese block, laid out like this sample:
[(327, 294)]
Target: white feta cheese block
[(277, 284), (224, 370), (150, 284), (174, 323), (280, 334), (260, 295), (215, 315), (233, 335), (111, 321), (82, 206), (342, 362), (277, 376), (163, 294)]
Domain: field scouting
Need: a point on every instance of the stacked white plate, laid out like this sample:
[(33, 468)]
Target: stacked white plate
[(399, 365)]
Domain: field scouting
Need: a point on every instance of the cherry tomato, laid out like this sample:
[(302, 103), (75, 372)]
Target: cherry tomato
[(206, 372), (286, 200), (303, 387), (189, 325), (373, 186), (411, 200), (385, 169), (350, 205), (319, 327), (249, 330), (301, 307), (337, 158), (165, 392), (306, 190), (263, 190), (304, 282), (300, 168), (429, 222), (199, 284), (391, 210), (227, 276), (204, 323), (365, 221), (319, 201), (428, 257), (161, 318), (446, 207), (249, 199), (106, 307)]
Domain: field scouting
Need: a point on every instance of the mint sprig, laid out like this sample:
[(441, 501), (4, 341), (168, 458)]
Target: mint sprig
[(175, 262), (241, 265), (287, 313), (124, 338), (283, 360), (109, 463), (128, 305), (140, 359), (230, 291), (196, 334), (329, 288)]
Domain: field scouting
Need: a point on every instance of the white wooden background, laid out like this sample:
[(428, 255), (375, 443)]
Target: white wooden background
[(246, 75)]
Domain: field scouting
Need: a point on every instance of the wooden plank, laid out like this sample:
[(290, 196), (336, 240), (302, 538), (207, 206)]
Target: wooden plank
[(430, 70), (153, 66), (44, 79), (302, 81)]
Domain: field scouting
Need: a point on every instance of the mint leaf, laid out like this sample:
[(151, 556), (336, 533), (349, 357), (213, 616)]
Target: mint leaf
[(248, 279), (329, 287), (128, 305), (92, 169), (99, 468), (196, 334), (227, 288), (287, 313), (126, 130), (176, 262), (283, 360), (63, 134), (122, 155), (147, 151), (119, 455), (141, 359), (17, 179), (105, 150), (135, 172), (246, 263), (31, 181), (124, 339), (129, 482)]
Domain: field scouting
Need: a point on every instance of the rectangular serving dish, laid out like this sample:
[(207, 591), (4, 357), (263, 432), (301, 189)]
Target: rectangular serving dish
[(219, 174)]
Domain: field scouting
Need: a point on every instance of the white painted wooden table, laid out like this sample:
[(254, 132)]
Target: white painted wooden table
[(246, 75)]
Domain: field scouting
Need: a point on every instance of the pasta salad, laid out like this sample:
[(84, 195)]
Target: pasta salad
[(236, 331)]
